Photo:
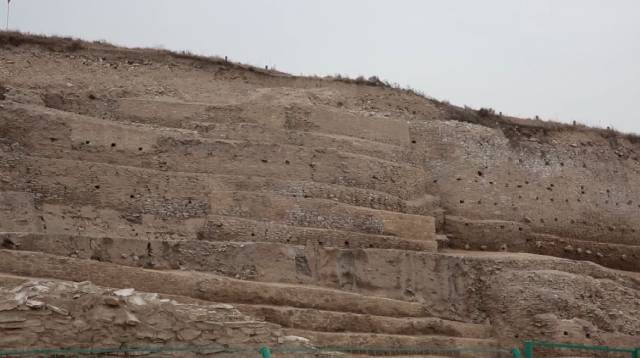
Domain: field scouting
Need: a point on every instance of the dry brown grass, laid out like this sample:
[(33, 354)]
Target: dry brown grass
[(52, 43), (519, 128), (69, 44)]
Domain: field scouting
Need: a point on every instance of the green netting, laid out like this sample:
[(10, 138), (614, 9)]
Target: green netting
[(254, 351), (386, 350), (530, 348), (529, 351), (98, 351)]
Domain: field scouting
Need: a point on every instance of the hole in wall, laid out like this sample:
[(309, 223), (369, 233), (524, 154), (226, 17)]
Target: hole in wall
[(87, 142), (413, 141), (97, 186), (8, 244), (113, 145), (287, 162), (480, 173), (346, 243), (140, 148), (53, 139)]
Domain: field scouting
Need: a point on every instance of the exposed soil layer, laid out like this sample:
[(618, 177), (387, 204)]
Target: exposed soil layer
[(297, 211)]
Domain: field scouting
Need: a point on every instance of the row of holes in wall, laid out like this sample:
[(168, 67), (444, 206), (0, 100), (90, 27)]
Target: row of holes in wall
[(113, 145), (549, 188), (610, 228)]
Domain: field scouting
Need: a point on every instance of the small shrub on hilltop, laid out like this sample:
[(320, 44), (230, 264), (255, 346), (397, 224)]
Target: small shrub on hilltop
[(486, 112)]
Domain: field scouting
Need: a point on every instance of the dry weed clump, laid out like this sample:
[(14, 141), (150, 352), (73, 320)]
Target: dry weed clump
[(52, 43)]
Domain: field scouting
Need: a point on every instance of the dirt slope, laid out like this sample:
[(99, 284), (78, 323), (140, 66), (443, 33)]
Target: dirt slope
[(344, 212)]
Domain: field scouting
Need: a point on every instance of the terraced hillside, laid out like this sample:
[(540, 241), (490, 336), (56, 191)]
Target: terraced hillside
[(345, 213)]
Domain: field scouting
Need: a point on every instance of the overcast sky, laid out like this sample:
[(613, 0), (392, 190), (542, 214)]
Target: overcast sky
[(559, 59)]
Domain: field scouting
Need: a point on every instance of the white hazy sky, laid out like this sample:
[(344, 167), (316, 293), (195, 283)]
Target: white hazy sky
[(559, 59)]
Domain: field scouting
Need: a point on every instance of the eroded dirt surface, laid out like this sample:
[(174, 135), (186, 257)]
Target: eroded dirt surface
[(324, 212)]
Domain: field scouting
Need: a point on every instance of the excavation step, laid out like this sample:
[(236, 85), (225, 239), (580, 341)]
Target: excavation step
[(459, 347), (76, 223), (326, 121), (140, 189), (203, 286), (54, 314), (225, 228), (328, 321), (66, 136), (257, 261), (232, 122), (192, 213), (320, 213)]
